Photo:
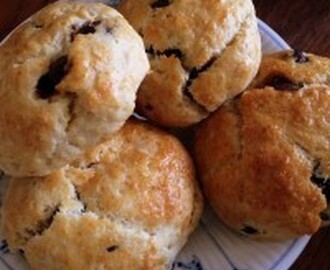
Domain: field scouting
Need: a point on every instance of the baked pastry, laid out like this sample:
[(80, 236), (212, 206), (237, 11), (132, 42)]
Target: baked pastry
[(201, 54), (264, 161), (292, 69), (129, 203), (68, 76)]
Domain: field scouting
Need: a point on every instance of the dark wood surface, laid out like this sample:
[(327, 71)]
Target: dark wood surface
[(304, 24)]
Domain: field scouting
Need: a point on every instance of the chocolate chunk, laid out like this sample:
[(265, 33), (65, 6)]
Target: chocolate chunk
[(300, 57), (46, 87), (160, 3), (280, 82), (88, 28), (168, 52), (112, 248), (249, 230), (150, 50), (85, 29)]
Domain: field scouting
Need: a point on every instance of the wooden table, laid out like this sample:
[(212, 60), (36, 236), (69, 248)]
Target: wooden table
[(304, 24)]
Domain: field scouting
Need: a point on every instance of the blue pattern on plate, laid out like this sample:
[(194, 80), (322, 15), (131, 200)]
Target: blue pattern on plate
[(194, 264), (220, 248)]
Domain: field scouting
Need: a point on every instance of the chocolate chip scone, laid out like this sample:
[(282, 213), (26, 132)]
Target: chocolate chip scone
[(264, 161), (201, 54), (129, 203), (68, 76), (292, 69)]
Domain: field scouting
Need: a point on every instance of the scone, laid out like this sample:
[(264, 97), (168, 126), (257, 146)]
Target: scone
[(292, 69), (129, 203), (264, 161), (68, 76), (201, 54)]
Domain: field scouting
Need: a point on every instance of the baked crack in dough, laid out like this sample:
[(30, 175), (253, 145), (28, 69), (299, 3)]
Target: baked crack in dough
[(68, 77), (264, 157), (202, 53), (129, 203)]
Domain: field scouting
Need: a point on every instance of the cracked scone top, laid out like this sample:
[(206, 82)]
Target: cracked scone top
[(264, 158), (68, 76), (129, 203), (201, 54)]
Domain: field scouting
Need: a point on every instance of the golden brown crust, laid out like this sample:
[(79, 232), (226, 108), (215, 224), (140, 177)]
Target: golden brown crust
[(299, 68), (256, 157), (68, 76), (129, 203), (201, 54)]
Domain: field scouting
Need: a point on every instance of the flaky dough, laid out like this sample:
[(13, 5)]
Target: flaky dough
[(202, 53), (68, 76), (264, 161), (129, 203)]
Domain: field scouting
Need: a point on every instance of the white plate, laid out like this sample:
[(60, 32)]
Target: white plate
[(213, 246)]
